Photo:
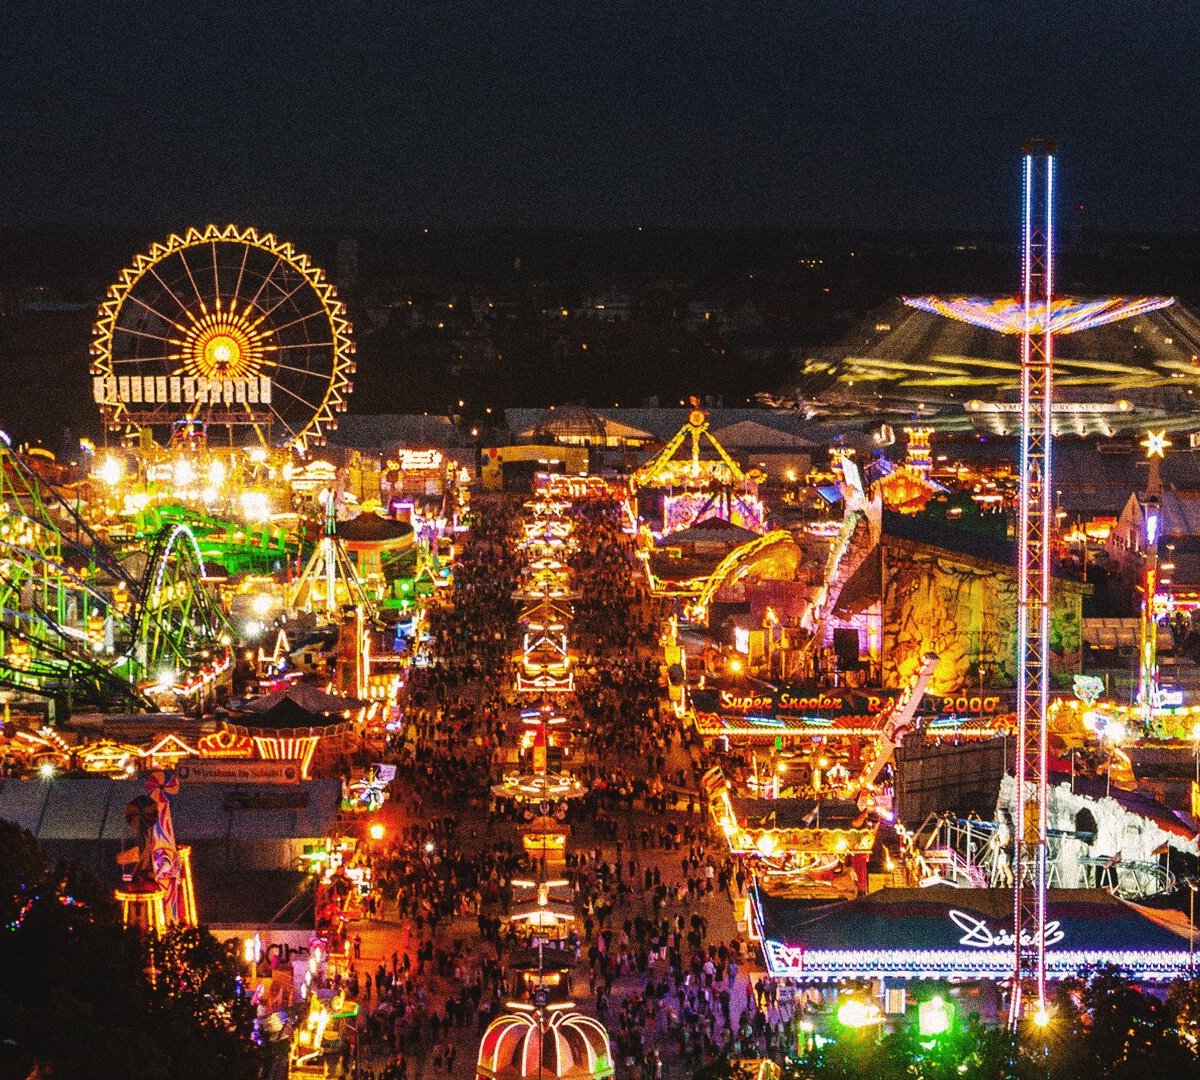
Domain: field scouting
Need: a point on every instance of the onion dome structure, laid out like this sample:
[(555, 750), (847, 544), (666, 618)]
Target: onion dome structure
[(555, 1041)]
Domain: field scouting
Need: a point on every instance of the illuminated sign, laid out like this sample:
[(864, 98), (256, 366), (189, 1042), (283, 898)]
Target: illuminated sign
[(419, 460), (1060, 408), (803, 702), (179, 390), (978, 935), (574, 488), (234, 771)]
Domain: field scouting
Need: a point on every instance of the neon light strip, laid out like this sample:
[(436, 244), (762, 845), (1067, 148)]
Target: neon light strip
[(302, 749), (816, 965)]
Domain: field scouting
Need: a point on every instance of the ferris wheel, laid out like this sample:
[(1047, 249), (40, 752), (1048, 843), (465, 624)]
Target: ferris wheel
[(223, 326)]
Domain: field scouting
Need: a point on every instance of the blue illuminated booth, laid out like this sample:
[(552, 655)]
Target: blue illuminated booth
[(946, 933)]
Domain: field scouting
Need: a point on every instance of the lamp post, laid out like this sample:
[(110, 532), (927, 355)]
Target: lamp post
[(1193, 884)]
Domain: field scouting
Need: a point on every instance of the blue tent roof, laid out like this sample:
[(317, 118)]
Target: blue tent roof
[(942, 918)]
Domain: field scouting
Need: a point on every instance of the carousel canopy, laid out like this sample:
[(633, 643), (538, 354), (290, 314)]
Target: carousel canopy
[(556, 1042), (712, 530), (300, 711), (373, 529), (288, 715), (309, 697)]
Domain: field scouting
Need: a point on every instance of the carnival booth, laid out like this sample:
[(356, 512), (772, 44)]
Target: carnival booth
[(290, 724), (941, 932)]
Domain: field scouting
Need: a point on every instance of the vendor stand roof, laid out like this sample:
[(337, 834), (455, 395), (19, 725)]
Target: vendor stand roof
[(306, 696), (942, 932)]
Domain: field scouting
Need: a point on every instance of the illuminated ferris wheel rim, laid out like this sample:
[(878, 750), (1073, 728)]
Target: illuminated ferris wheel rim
[(226, 350)]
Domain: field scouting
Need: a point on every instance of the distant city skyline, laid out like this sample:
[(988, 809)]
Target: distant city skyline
[(906, 115)]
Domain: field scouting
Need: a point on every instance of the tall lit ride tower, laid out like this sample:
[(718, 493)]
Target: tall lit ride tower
[(1038, 317), (1033, 575)]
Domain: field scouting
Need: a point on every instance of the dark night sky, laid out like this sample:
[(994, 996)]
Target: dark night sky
[(481, 113)]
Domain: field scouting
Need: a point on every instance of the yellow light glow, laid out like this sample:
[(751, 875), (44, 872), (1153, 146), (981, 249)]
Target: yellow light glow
[(376, 831), (222, 351), (1041, 1018), (256, 506), (111, 470), (766, 845), (222, 345)]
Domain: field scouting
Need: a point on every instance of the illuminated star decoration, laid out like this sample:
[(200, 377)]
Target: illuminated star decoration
[(1156, 444)]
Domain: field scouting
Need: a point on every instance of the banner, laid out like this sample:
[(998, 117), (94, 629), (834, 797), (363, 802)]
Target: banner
[(794, 703), (233, 771)]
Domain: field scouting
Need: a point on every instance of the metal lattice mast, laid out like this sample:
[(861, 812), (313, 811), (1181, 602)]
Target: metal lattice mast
[(1033, 571), (1037, 317)]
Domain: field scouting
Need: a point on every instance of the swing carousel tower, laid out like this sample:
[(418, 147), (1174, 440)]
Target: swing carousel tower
[(1037, 316)]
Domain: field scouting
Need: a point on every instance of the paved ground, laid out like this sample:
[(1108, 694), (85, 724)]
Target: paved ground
[(386, 935), (383, 936)]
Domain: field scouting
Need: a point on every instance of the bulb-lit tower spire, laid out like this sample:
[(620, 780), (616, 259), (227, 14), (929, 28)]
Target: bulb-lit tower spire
[(1037, 316), (1033, 573)]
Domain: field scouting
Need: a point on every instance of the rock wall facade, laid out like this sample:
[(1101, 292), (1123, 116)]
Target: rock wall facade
[(965, 610)]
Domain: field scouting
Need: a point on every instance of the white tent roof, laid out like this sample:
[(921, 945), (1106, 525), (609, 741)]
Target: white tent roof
[(752, 435)]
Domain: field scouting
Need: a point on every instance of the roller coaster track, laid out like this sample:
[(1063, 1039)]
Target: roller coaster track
[(74, 622)]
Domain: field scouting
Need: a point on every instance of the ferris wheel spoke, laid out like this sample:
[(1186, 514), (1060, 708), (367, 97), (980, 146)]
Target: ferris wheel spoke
[(216, 277), (292, 393), (298, 345), (297, 370), (302, 318), (282, 300), (158, 314), (263, 284), (171, 293), (237, 288), (146, 334), (195, 288), (283, 423)]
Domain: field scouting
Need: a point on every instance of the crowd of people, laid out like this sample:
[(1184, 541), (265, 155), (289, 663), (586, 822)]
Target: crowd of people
[(644, 881)]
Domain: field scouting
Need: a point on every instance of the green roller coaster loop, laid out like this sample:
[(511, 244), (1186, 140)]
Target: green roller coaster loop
[(233, 546), (75, 624), (178, 620)]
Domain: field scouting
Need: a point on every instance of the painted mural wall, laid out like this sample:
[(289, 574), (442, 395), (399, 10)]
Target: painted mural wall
[(965, 610)]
